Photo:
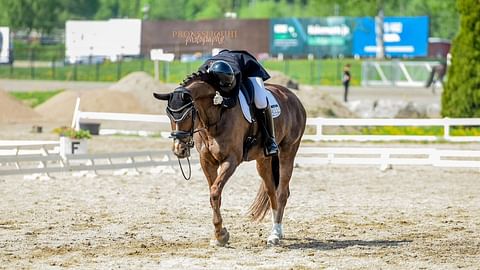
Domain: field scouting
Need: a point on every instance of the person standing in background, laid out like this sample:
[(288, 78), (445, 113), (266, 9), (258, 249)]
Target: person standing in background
[(346, 81)]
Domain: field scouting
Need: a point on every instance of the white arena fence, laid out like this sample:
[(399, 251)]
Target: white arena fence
[(446, 123), (318, 123), (387, 157), (37, 161), (45, 163), (34, 157), (8, 147)]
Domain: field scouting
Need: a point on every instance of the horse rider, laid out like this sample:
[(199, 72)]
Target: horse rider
[(231, 68)]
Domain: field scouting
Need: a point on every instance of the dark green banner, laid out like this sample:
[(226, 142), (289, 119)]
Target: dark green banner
[(331, 36)]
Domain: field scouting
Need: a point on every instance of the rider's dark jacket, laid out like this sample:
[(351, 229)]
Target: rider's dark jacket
[(244, 65)]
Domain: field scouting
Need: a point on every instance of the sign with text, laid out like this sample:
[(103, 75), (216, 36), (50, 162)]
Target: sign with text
[(403, 36), (329, 36)]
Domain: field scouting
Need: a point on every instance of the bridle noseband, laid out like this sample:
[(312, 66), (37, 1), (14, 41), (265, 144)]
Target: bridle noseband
[(183, 136), (178, 115)]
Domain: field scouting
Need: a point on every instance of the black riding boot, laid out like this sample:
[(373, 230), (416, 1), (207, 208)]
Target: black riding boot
[(266, 119)]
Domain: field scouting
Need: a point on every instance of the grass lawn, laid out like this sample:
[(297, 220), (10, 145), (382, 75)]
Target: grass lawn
[(314, 72), (35, 98), (430, 131)]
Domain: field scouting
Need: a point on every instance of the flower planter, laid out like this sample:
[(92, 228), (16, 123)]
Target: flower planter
[(93, 128)]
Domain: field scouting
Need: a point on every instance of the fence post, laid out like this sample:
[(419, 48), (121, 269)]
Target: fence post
[(393, 71), (32, 63), (385, 162), (312, 70), (53, 67), (337, 77), (156, 70), (446, 129), (142, 63), (119, 68), (166, 70), (364, 79), (97, 71), (319, 131), (319, 73), (75, 119), (75, 71)]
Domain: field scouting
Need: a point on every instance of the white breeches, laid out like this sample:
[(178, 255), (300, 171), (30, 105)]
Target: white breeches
[(260, 98)]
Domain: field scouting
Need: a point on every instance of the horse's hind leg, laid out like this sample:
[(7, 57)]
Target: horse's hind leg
[(287, 159), (264, 168)]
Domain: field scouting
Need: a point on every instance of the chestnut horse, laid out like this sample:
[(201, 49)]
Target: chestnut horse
[(219, 135)]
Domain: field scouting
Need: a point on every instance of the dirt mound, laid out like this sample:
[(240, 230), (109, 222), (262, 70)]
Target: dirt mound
[(322, 104), (142, 86), (278, 77), (135, 82), (60, 107), (14, 111), (132, 94)]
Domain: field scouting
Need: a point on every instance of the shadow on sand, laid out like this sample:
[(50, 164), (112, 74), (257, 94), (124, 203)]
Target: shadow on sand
[(310, 243)]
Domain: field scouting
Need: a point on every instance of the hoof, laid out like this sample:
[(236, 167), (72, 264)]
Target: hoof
[(273, 240), (222, 240)]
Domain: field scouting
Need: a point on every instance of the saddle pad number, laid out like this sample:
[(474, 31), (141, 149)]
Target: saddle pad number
[(275, 110)]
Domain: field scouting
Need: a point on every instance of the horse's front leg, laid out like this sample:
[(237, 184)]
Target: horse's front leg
[(209, 167), (226, 170)]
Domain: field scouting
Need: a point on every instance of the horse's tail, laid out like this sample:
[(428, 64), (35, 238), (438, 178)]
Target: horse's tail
[(261, 204)]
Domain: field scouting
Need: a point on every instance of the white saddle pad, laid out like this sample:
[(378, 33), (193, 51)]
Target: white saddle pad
[(271, 101)]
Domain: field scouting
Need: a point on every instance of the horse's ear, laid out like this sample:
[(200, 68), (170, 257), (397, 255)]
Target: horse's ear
[(162, 96)]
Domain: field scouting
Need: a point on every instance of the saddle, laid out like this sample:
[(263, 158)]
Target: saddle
[(246, 97), (248, 92)]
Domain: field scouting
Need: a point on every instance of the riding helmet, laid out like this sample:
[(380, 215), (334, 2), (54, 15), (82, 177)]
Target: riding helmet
[(223, 73)]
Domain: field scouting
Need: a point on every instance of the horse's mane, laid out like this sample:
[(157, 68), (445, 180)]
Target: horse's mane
[(195, 76)]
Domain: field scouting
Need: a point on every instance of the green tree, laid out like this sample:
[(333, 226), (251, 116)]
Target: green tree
[(265, 9), (118, 9), (108, 9), (206, 9), (3, 16), (211, 11), (45, 15), (79, 9), (165, 9), (461, 97), (40, 15)]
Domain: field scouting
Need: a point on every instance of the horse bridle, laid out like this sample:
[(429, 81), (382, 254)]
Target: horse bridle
[(183, 136)]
